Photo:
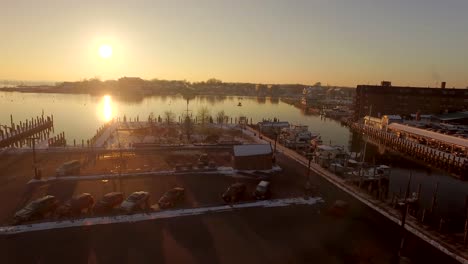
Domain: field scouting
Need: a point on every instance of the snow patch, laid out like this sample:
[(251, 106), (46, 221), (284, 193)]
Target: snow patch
[(7, 230)]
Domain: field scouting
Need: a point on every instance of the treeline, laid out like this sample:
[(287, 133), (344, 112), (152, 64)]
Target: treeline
[(135, 86)]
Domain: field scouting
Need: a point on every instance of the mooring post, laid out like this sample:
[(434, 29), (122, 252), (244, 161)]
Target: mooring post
[(434, 198), (403, 231), (465, 235), (419, 190), (408, 187)]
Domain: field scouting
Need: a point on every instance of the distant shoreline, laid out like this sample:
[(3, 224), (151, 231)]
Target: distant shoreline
[(54, 90)]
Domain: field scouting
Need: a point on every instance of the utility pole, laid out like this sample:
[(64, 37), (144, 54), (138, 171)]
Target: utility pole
[(276, 139), (120, 166), (36, 175), (308, 186)]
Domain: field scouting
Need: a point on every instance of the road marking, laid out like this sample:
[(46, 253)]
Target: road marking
[(8, 230)]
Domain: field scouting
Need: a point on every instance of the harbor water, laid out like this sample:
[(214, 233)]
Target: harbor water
[(80, 115)]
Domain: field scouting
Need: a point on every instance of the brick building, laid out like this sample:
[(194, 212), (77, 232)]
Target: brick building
[(388, 100)]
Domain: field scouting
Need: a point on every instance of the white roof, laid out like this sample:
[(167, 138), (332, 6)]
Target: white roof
[(252, 150), (430, 134), (264, 183), (274, 124), (325, 147), (393, 117), (371, 118), (383, 167), (328, 147)]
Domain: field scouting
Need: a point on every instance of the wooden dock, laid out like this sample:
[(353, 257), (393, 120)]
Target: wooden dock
[(17, 134), (415, 226), (457, 166)]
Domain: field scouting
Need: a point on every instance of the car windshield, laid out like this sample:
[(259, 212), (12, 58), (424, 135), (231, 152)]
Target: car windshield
[(135, 197), (261, 188), (33, 205)]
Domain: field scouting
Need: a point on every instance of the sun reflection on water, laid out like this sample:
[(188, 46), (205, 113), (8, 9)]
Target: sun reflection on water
[(106, 109)]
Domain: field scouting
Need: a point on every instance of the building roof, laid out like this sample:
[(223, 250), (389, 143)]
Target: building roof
[(373, 119), (421, 116), (452, 116), (397, 117), (273, 124), (327, 147), (430, 134), (252, 150)]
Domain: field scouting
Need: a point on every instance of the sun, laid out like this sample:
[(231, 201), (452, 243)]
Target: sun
[(105, 51)]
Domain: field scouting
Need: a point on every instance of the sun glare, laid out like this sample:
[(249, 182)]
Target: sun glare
[(106, 108), (105, 51)]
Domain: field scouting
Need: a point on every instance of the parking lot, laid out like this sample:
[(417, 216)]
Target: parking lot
[(289, 234)]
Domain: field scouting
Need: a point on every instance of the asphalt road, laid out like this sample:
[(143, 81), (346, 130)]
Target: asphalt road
[(298, 234)]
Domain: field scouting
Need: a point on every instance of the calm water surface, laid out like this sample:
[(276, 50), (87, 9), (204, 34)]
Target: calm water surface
[(80, 115)]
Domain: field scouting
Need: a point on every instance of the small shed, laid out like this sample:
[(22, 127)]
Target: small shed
[(253, 157), (270, 128)]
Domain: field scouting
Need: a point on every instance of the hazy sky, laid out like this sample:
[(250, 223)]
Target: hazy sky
[(340, 42)]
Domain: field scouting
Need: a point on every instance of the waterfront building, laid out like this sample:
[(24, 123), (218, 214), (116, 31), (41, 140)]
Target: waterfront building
[(385, 99)]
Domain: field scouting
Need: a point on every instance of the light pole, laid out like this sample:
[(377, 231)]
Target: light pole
[(308, 186), (36, 176), (120, 165)]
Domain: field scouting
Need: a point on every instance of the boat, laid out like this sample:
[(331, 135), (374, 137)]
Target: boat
[(371, 173), (327, 155), (297, 136)]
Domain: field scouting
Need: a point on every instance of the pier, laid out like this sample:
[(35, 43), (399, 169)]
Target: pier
[(17, 135), (411, 220), (456, 165)]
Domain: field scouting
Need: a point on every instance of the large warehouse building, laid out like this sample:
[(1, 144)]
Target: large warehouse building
[(398, 100)]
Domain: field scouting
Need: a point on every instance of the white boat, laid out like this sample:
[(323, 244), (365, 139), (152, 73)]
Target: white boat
[(379, 171), (297, 136)]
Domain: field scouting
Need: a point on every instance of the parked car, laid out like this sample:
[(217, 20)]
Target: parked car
[(262, 191), (171, 197), (135, 202), (234, 192), (69, 168), (76, 205), (108, 202), (203, 159), (37, 209)]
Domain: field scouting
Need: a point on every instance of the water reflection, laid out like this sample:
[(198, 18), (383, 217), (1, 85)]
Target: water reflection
[(106, 108)]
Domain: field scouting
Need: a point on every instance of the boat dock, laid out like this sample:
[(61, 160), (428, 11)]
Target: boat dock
[(17, 135), (411, 223), (456, 165)]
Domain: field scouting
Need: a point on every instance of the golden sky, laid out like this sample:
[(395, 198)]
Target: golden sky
[(418, 42)]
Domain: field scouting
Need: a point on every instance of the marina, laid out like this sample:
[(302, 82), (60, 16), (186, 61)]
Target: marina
[(341, 160)]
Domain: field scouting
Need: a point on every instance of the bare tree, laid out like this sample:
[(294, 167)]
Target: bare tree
[(220, 116), (188, 126), (203, 115), (169, 116)]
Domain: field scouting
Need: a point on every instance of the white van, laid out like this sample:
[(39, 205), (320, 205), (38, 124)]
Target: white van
[(69, 168)]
